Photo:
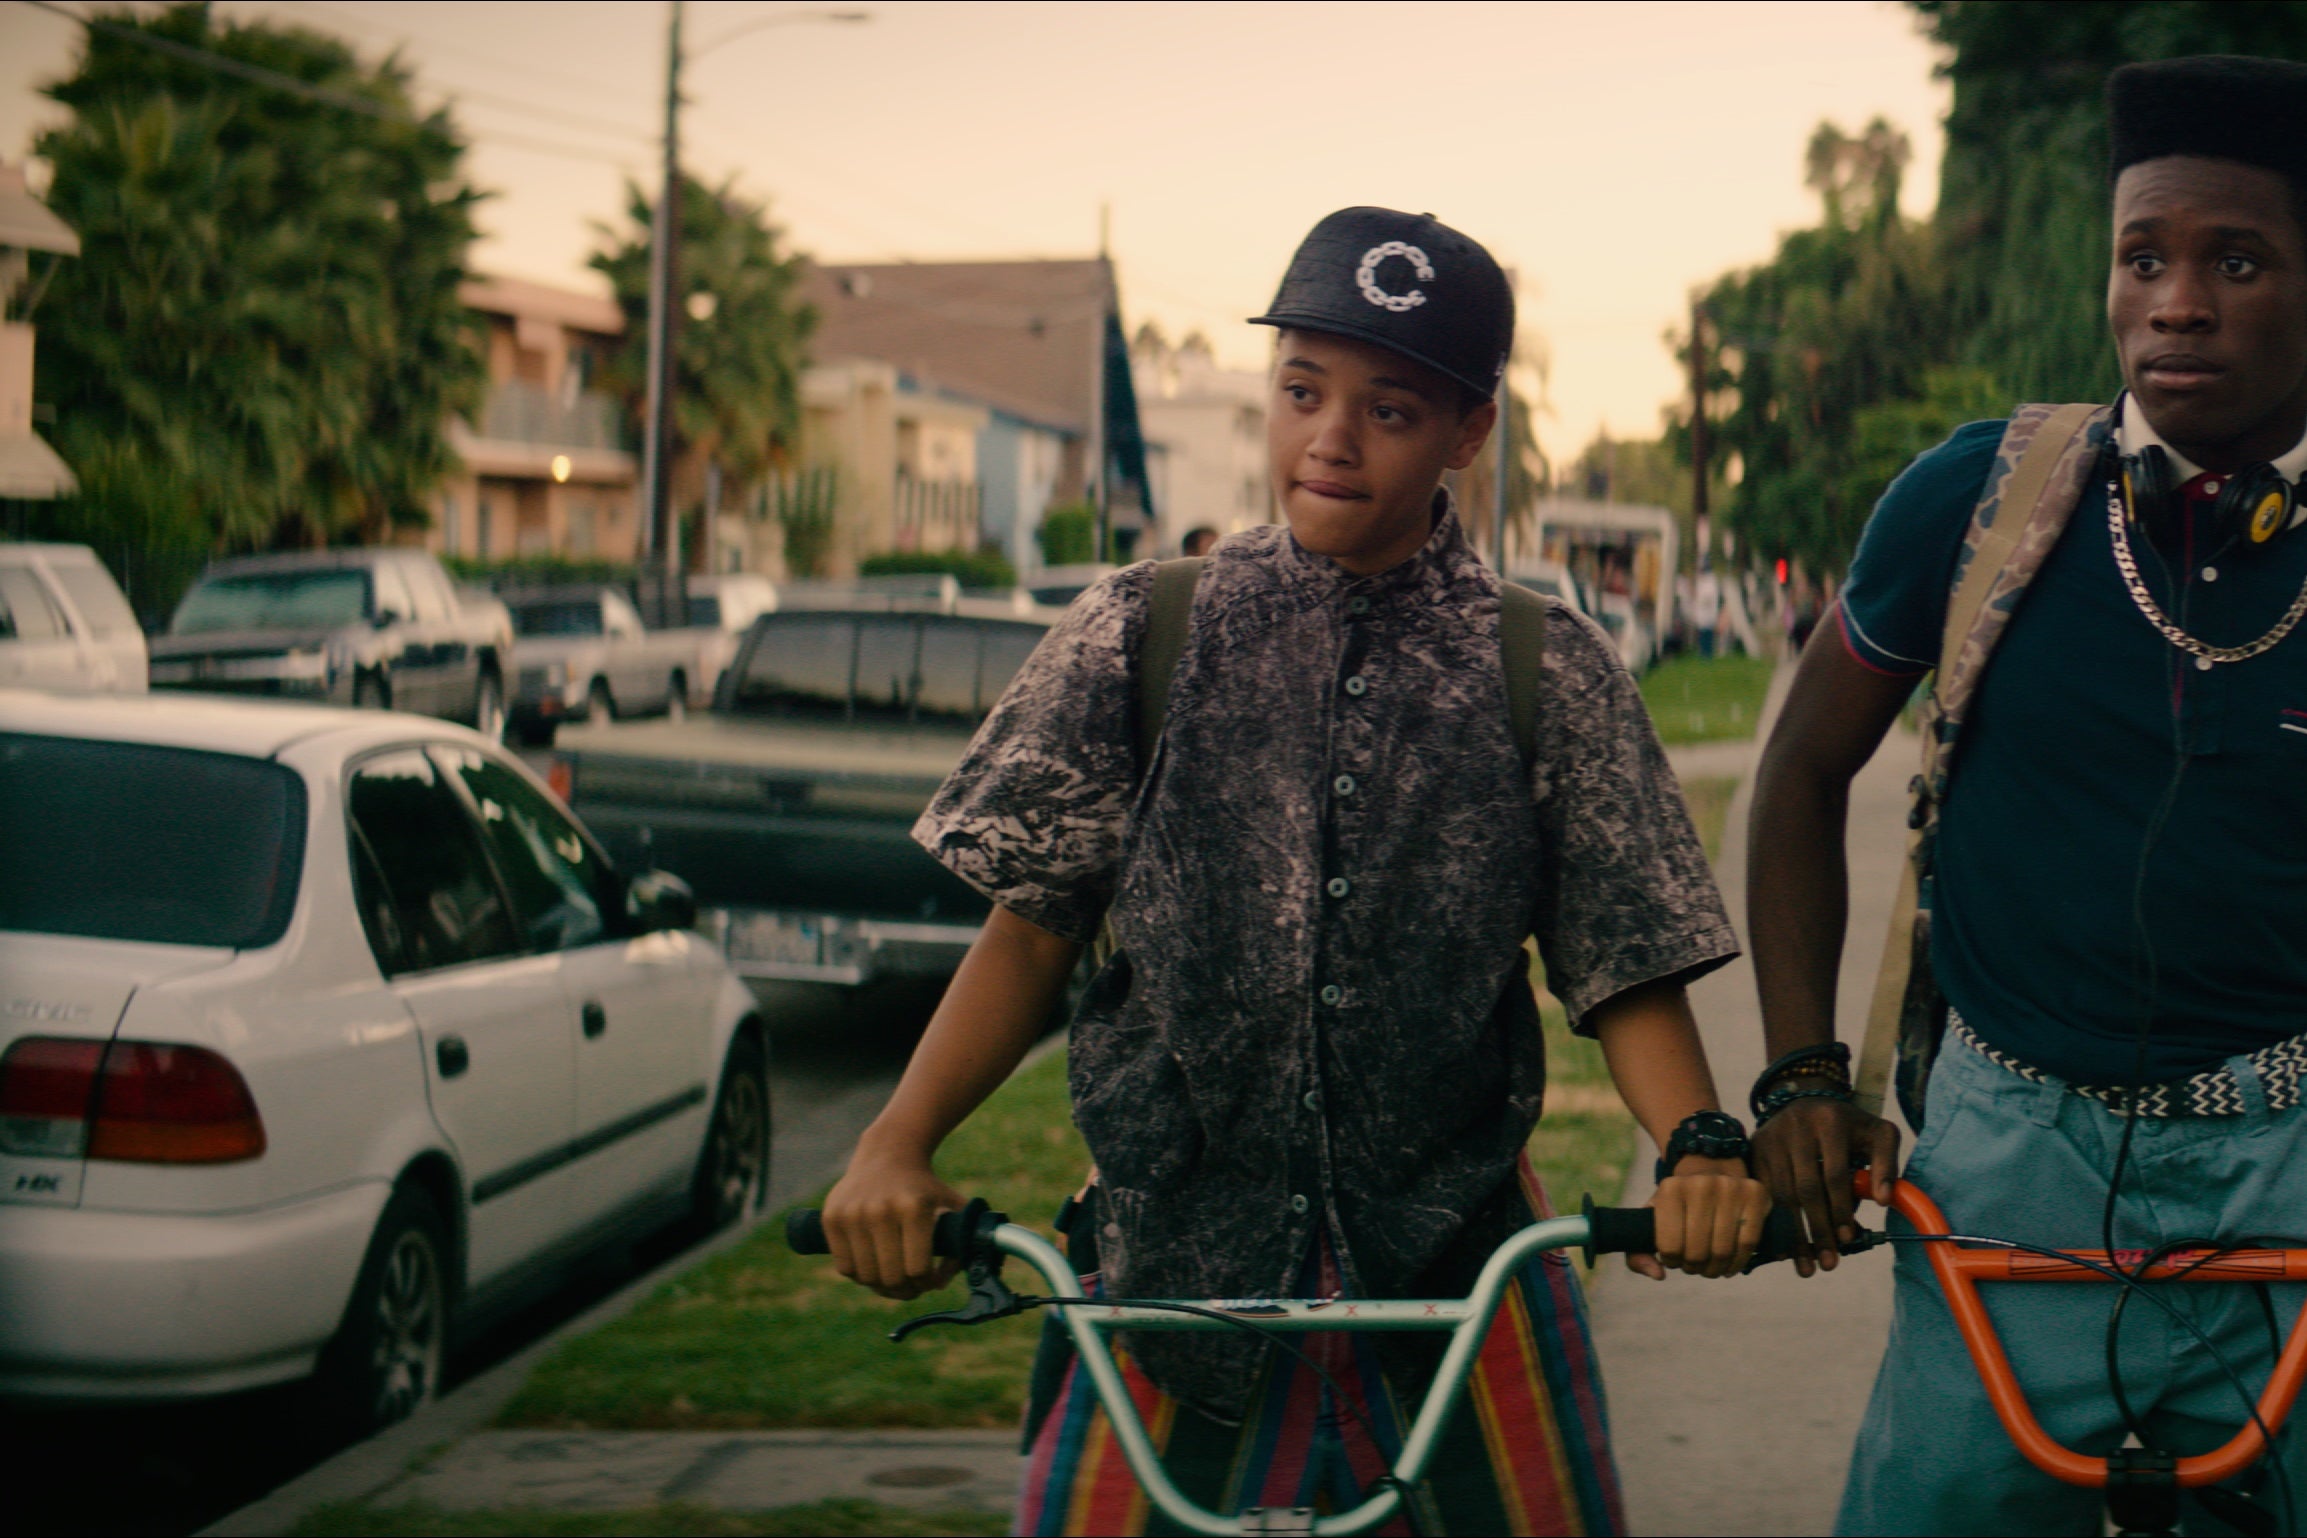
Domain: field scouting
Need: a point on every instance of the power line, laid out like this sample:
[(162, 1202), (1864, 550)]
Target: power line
[(325, 95), (338, 14)]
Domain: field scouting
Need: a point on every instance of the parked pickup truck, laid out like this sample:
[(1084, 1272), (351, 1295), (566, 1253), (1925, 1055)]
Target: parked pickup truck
[(789, 809), (585, 652), (381, 627)]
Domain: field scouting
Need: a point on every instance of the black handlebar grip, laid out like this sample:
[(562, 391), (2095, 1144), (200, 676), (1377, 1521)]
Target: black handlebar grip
[(1620, 1230), (805, 1232), (1634, 1231)]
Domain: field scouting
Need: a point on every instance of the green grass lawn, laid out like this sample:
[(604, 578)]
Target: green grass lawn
[(1712, 699), (839, 1519)]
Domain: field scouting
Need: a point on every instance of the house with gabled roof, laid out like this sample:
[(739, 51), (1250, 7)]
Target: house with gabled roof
[(1038, 346)]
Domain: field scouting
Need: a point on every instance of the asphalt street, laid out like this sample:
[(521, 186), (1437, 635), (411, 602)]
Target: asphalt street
[(835, 1053)]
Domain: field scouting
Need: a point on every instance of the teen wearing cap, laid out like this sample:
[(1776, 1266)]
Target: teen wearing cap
[(2119, 895), (1313, 1062)]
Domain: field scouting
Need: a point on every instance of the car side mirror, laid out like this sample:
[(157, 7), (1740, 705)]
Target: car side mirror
[(657, 900), (385, 619)]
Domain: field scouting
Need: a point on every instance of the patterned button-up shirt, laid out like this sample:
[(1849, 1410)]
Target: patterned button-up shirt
[(1319, 1010)]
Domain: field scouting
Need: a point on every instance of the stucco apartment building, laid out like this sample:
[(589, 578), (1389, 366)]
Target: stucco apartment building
[(1206, 426), (546, 470)]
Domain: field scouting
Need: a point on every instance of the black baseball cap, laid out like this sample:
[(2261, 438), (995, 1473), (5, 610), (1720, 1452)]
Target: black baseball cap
[(1407, 282)]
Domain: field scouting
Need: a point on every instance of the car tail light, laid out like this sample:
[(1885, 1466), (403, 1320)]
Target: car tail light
[(141, 1101), (47, 1087), (561, 777)]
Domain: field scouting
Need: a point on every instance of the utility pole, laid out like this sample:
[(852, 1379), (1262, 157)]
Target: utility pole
[(659, 542), (1698, 444), (1100, 483)]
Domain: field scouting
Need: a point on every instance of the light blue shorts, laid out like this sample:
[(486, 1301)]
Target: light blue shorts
[(2010, 1158)]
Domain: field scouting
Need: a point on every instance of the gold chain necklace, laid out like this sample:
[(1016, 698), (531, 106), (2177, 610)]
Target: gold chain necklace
[(2204, 653)]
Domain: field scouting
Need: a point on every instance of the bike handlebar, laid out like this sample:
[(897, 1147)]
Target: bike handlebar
[(1610, 1231)]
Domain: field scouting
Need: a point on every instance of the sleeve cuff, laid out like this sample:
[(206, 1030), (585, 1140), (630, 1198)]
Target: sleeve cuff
[(1684, 959), (1868, 655)]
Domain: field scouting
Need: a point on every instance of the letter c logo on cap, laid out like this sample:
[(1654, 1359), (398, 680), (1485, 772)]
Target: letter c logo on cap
[(1367, 276)]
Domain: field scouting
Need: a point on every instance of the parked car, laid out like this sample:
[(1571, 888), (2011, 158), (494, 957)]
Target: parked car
[(379, 628), (327, 1036), (790, 808), (721, 610), (64, 624), (585, 652)]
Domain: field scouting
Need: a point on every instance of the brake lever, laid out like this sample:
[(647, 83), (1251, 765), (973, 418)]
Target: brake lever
[(989, 1295)]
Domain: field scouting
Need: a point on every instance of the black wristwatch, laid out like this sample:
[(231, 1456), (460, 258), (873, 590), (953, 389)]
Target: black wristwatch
[(1709, 1134)]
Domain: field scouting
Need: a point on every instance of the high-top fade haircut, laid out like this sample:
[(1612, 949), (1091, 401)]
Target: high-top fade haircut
[(2217, 106)]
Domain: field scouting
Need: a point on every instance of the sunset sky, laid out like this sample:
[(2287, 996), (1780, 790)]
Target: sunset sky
[(1614, 155)]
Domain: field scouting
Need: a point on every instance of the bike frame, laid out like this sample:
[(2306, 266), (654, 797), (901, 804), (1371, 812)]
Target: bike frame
[(1467, 1320), (1962, 1268)]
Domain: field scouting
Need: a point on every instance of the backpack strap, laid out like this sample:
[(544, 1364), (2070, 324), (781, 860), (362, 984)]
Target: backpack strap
[(1169, 610), (1522, 653), (2034, 494)]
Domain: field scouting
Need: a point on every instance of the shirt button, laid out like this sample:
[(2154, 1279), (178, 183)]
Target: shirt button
[(1313, 1100), (1333, 995), (2210, 574), (1357, 686), (1300, 1206), (1343, 784), (1339, 886), (2210, 488), (1357, 605)]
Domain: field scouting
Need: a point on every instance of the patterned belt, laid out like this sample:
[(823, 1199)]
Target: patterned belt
[(2213, 1092)]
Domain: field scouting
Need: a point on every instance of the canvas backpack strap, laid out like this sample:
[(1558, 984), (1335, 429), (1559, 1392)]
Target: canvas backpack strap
[(2039, 475), (1168, 612), (1522, 653)]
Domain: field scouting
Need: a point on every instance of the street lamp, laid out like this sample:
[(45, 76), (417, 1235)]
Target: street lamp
[(660, 533)]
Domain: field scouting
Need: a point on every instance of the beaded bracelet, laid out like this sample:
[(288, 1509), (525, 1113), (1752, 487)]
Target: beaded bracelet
[(1824, 1060), (1784, 1095)]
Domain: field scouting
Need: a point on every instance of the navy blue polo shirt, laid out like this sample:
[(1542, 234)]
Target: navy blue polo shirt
[(2064, 912)]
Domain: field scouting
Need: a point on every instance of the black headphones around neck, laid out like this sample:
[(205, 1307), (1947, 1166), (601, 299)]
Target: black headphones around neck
[(2255, 505)]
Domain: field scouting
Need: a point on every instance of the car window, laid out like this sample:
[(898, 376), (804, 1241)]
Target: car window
[(27, 613), (125, 841), (392, 593), (563, 890), (91, 589), (618, 616), (704, 609), (273, 600), (557, 616), (888, 665), (798, 664), (426, 893)]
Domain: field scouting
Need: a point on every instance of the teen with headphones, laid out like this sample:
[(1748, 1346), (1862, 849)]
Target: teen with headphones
[(2107, 1024)]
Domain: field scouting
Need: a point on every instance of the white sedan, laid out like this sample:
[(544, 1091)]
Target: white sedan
[(323, 1034)]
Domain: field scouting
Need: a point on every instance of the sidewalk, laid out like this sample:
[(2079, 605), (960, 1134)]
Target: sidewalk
[(1733, 1404)]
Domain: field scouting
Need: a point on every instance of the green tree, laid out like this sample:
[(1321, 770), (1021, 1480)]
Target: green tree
[(1846, 315), (261, 342), (741, 343), (2022, 213)]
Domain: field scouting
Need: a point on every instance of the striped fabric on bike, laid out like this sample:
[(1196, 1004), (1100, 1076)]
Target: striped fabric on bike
[(1528, 1452), (2213, 1092)]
